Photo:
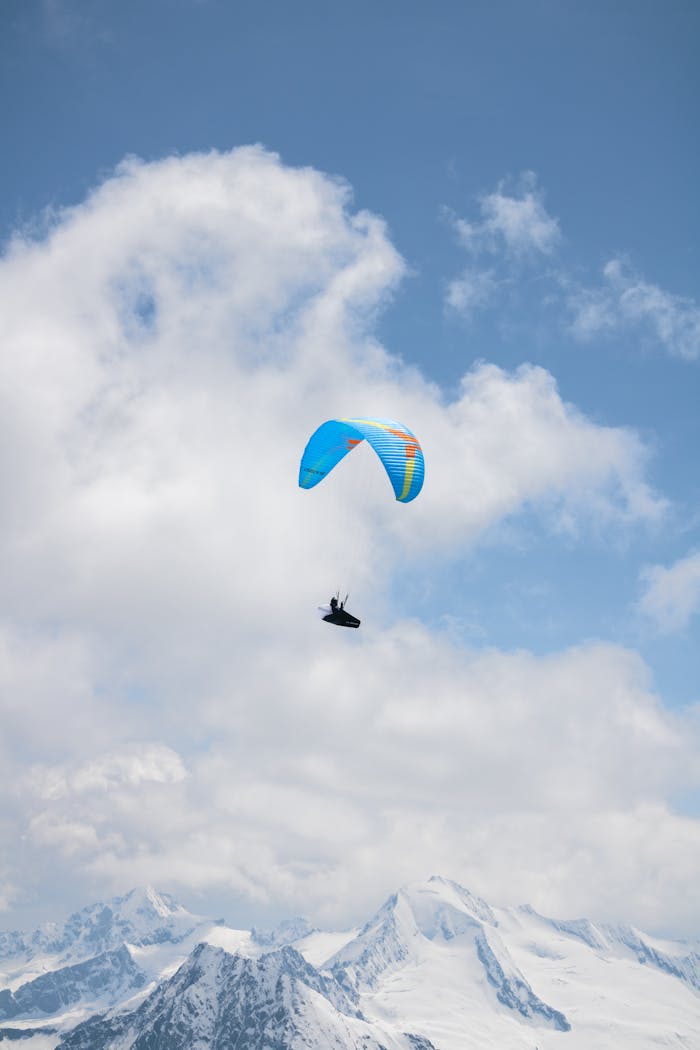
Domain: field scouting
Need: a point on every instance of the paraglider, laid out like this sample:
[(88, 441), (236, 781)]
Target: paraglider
[(335, 612), (399, 452)]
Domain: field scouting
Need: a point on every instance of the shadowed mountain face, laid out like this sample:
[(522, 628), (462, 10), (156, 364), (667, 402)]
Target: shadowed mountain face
[(111, 975), (220, 1001)]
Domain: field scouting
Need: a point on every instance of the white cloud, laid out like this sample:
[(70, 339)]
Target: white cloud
[(516, 224), (8, 893), (155, 408), (625, 299), (672, 595), (334, 779), (72, 838), (514, 227), (509, 441), (471, 291), (142, 764), (166, 352)]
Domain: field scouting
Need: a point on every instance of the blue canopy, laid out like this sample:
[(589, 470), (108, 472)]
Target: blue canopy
[(397, 448)]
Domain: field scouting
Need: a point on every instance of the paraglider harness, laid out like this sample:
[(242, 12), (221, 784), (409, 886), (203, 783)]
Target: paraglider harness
[(338, 615)]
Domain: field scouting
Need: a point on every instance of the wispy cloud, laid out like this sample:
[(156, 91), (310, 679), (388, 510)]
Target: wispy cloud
[(671, 595), (471, 291), (515, 223), (514, 228), (627, 300), (63, 22), (72, 28)]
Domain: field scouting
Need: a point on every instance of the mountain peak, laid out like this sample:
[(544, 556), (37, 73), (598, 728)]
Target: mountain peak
[(143, 916), (273, 1000), (286, 932), (436, 910), (433, 899), (413, 930), (145, 902)]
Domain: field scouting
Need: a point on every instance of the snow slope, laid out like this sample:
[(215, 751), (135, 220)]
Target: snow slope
[(445, 964)]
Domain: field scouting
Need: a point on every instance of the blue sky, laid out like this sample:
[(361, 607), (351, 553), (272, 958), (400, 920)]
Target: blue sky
[(506, 194)]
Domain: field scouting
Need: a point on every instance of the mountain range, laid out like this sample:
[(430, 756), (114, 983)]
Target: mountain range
[(435, 968)]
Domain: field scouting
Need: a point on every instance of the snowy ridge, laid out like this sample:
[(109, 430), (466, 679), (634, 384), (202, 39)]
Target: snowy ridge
[(684, 963), (141, 917), (417, 928), (438, 908), (379, 946), (104, 954), (273, 1002), (678, 959), (513, 991), (104, 980)]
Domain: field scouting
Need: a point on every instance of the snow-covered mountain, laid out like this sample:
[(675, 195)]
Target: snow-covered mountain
[(435, 967), (274, 1001), (142, 917), (108, 977), (287, 932), (468, 975), (102, 955)]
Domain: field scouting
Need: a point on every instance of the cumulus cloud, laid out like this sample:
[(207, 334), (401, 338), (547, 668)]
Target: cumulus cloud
[(522, 777), (671, 595), (518, 444), (167, 348), (142, 764), (627, 300), (155, 405)]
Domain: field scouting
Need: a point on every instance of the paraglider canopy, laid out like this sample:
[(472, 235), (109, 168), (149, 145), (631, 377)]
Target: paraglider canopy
[(398, 449)]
